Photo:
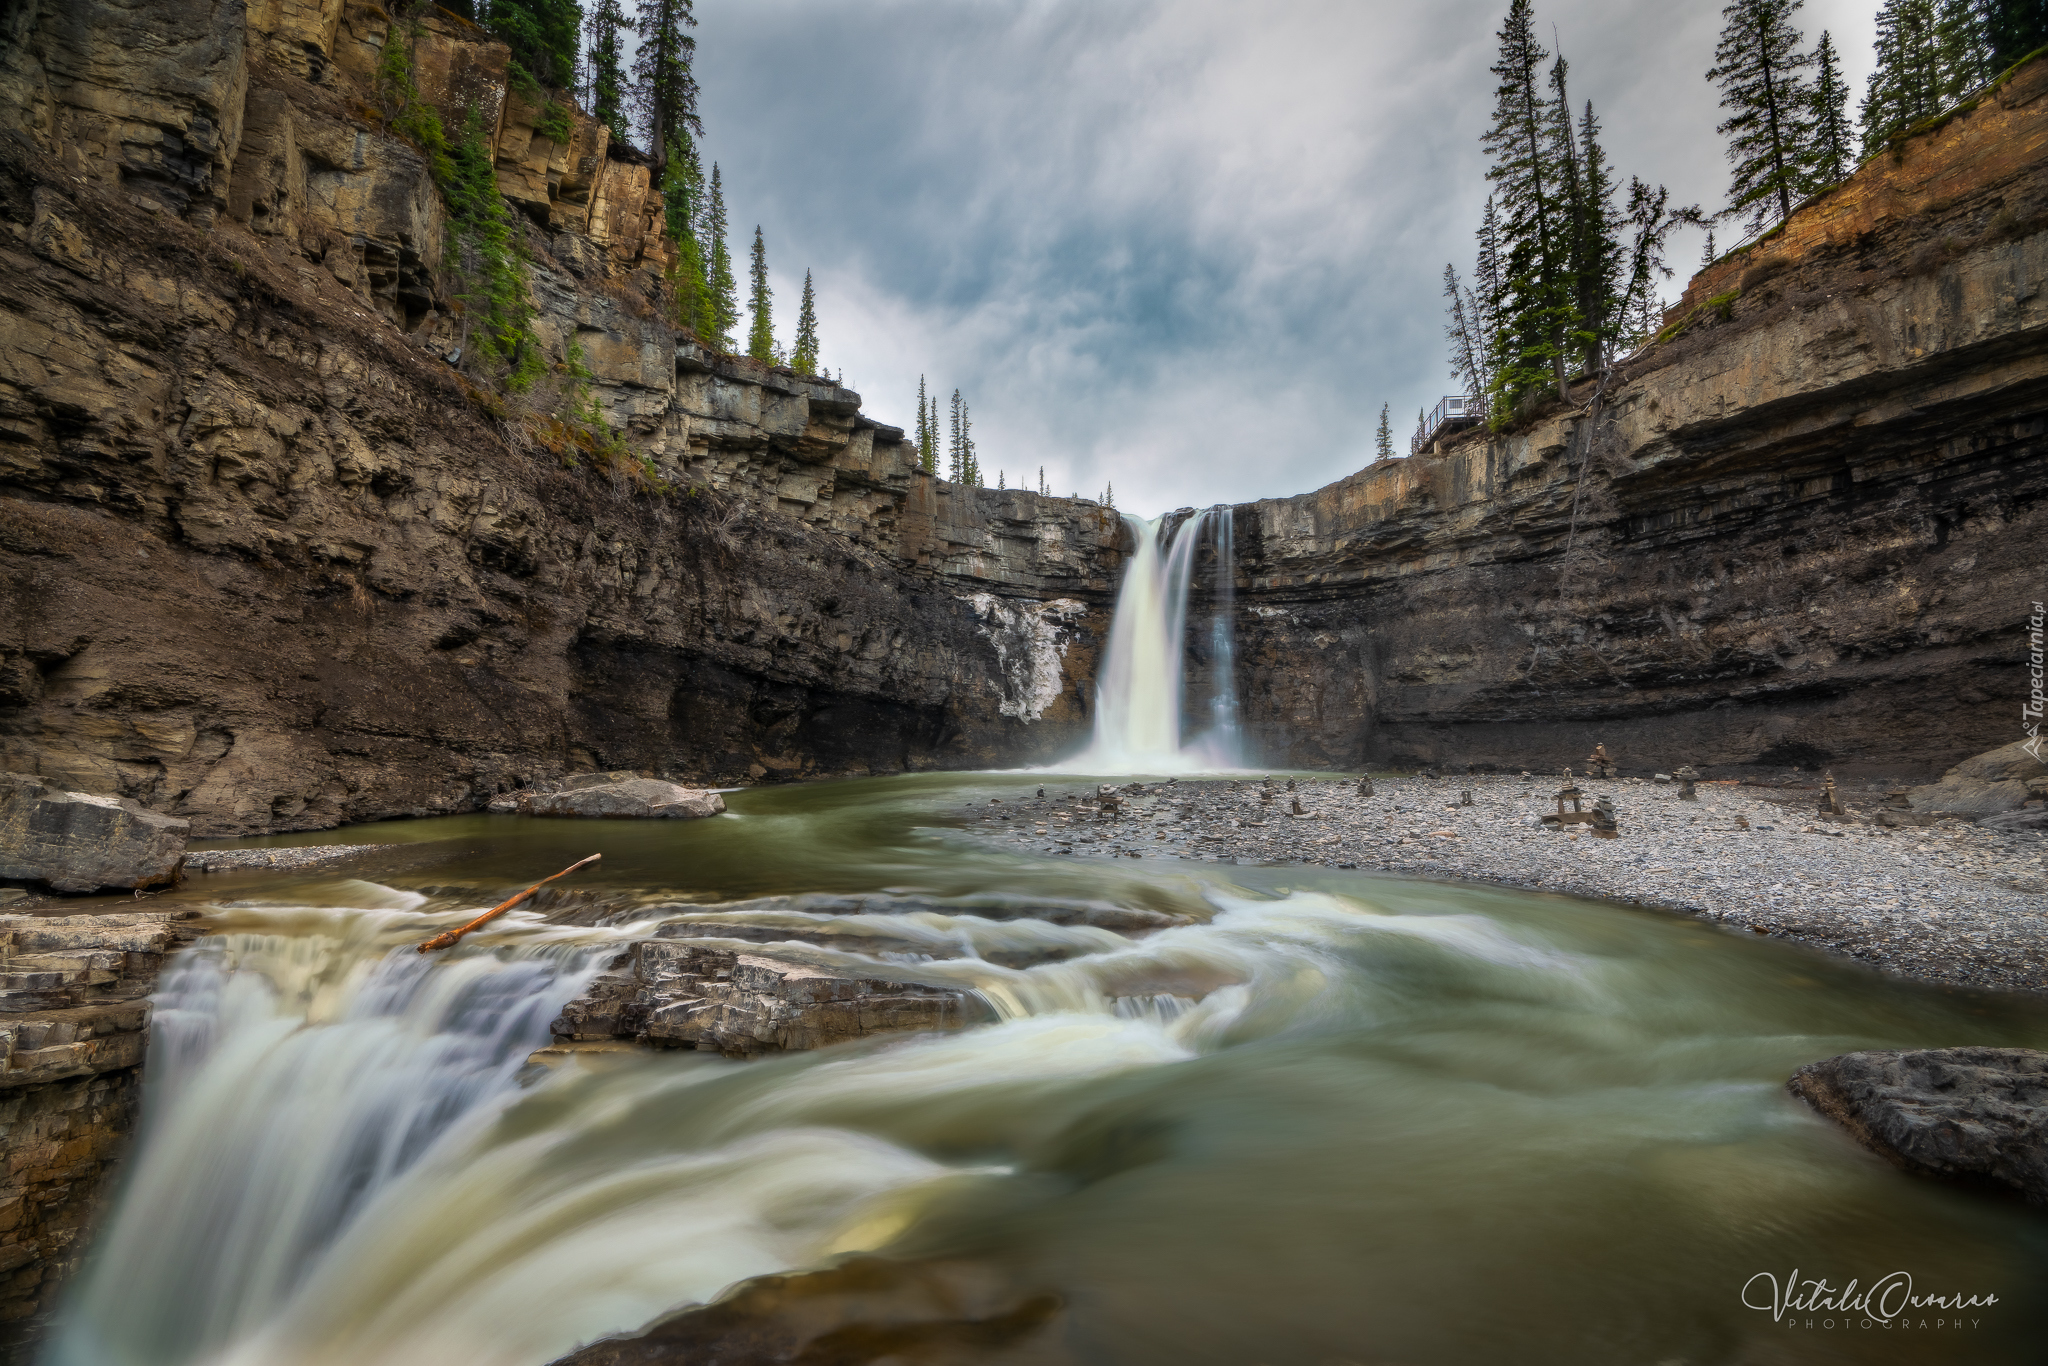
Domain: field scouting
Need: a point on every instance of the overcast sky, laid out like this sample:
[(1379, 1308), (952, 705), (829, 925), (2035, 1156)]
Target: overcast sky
[(1187, 246)]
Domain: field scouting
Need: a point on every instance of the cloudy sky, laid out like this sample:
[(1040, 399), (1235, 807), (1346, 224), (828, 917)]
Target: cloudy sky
[(1185, 246)]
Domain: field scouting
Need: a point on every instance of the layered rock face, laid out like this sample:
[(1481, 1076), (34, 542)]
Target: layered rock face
[(269, 561), (1808, 529), (73, 1019)]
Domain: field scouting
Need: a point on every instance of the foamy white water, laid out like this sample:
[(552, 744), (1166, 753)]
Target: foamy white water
[(1142, 683)]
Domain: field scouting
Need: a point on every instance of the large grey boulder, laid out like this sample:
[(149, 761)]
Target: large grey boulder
[(1974, 1113), (76, 842), (632, 798), (1992, 784)]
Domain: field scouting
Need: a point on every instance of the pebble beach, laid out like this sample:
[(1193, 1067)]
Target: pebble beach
[(1942, 901)]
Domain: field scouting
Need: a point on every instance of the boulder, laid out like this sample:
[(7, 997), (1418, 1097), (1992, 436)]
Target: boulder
[(683, 995), (631, 799), (1988, 785), (1980, 1114), (76, 842)]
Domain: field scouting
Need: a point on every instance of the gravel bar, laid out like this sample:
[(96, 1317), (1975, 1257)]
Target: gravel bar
[(282, 859), (1943, 901)]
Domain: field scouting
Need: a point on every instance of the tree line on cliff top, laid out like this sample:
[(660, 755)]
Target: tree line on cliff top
[(1569, 264), (635, 74)]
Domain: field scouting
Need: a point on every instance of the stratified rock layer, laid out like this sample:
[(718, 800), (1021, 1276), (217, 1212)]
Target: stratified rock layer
[(1975, 1113), (74, 1011), (269, 561)]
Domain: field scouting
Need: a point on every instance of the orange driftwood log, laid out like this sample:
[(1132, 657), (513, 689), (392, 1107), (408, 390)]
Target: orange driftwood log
[(443, 940)]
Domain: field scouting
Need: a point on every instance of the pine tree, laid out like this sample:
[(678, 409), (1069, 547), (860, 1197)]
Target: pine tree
[(682, 192), (761, 330), (999, 479), (1830, 158), (970, 463), (607, 69), (542, 34), (1596, 245), (1650, 215), (927, 437), (1709, 254), (932, 427), (724, 304), (2011, 30), (1042, 489), (1770, 123), (803, 352), (956, 450), (665, 87), (1383, 439), (1959, 35), (1534, 306), (1909, 81), (1109, 495)]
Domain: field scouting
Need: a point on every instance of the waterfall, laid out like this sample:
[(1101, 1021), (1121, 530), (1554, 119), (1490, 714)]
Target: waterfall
[(1141, 685)]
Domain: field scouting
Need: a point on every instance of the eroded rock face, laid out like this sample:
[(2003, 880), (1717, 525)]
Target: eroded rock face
[(1994, 784), (1975, 1113), (630, 799), (74, 1015), (74, 842), (684, 995)]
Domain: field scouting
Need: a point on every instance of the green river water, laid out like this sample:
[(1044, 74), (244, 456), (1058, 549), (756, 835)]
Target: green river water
[(1406, 1123)]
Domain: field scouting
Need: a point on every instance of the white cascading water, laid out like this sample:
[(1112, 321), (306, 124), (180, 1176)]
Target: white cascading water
[(1143, 680)]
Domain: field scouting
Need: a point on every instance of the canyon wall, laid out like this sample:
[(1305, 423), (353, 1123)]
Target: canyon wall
[(277, 553), (1806, 528)]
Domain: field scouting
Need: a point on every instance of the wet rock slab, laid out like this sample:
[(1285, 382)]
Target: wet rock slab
[(626, 799), (1976, 1114), (77, 842), (680, 994)]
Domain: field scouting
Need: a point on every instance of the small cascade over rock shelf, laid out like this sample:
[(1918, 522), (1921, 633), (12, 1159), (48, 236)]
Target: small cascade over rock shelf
[(1141, 690)]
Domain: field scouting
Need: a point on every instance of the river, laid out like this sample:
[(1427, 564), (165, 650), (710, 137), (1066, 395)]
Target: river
[(1336, 1118)]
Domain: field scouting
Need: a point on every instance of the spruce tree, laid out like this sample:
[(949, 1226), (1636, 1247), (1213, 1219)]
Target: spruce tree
[(607, 57), (956, 451), (682, 192), (1709, 254), (1042, 489), (1653, 219), (1534, 307), (932, 429), (803, 352), (2011, 30), (927, 438), (1769, 128), (1596, 246), (1109, 495), (1908, 82), (724, 303), (665, 87), (1830, 156), (543, 36), (970, 463), (761, 330), (1383, 439)]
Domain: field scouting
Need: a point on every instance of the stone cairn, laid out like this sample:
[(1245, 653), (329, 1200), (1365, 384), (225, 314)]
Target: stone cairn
[(1365, 786), (1604, 825), (1687, 775), (1598, 764), (1465, 797), (1578, 815), (1830, 799)]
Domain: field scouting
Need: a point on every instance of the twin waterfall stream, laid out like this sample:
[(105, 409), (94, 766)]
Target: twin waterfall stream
[(1327, 1117)]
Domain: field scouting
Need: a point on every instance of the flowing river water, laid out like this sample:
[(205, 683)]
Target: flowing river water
[(1335, 1118)]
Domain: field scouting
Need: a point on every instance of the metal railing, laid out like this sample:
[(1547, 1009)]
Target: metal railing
[(1452, 409)]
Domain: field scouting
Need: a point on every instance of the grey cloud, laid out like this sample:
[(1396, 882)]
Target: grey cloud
[(1186, 246)]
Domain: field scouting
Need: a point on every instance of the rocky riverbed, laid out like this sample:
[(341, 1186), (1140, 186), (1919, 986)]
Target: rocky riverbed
[(1940, 900)]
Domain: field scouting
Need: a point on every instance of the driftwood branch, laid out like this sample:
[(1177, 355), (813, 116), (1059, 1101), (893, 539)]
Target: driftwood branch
[(447, 938)]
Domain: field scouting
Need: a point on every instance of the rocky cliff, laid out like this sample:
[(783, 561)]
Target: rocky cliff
[(1807, 527), (278, 550)]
